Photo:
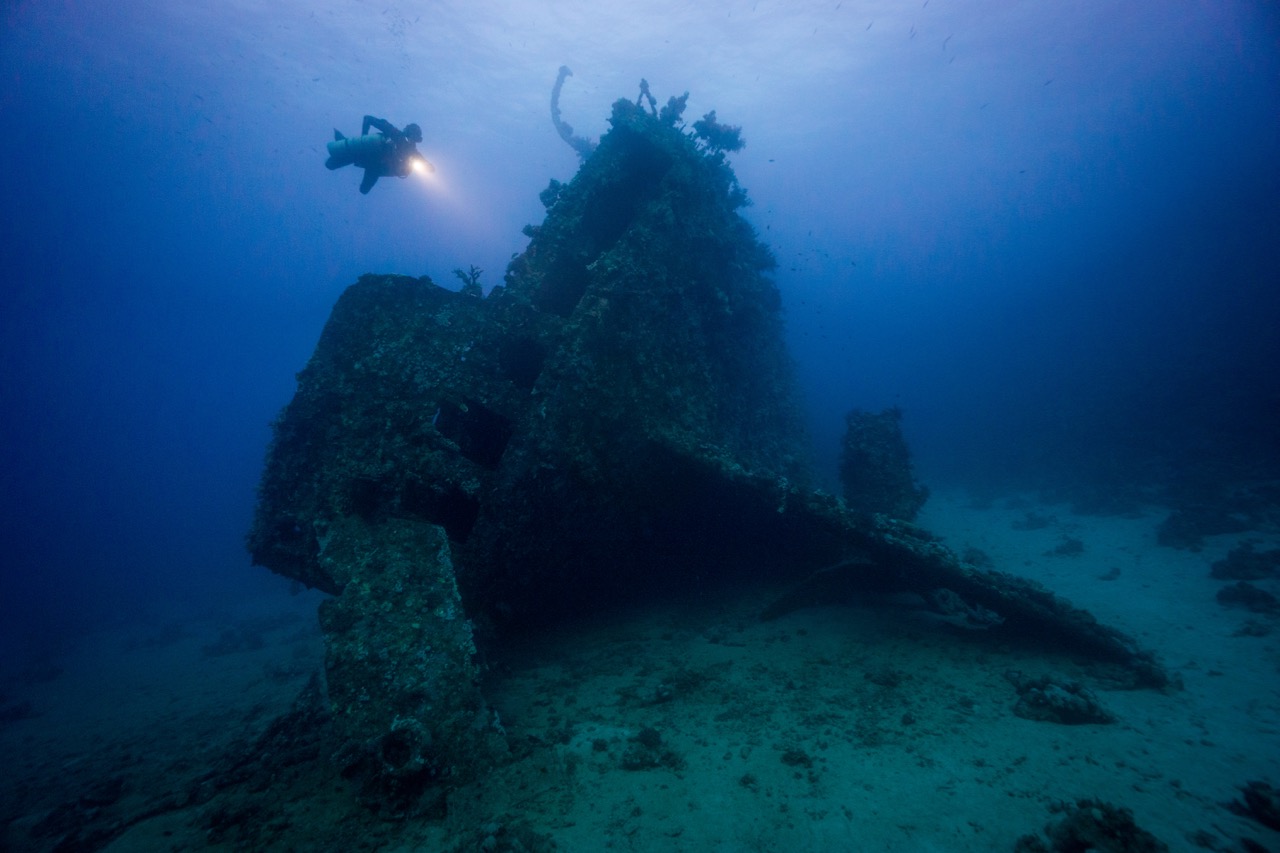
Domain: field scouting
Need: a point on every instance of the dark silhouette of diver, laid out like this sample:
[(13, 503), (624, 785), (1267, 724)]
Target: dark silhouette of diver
[(389, 152)]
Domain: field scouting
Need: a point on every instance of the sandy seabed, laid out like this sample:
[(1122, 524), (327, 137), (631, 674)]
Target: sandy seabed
[(693, 725)]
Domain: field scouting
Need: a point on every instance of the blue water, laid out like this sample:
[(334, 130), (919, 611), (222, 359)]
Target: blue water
[(1048, 232)]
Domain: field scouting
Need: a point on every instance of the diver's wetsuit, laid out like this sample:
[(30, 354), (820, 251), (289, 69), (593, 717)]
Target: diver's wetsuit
[(388, 153)]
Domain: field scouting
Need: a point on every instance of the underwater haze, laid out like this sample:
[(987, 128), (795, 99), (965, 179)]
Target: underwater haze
[(1048, 232)]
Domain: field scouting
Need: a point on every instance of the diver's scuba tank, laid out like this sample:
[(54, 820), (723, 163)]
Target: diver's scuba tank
[(363, 151)]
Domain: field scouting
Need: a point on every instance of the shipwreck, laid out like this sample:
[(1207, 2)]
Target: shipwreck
[(618, 414)]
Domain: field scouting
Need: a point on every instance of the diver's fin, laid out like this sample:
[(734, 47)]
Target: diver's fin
[(337, 135)]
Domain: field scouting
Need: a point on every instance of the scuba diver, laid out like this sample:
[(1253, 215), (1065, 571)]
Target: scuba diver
[(389, 152)]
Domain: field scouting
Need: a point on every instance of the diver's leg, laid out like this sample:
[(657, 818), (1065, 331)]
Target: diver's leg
[(370, 178)]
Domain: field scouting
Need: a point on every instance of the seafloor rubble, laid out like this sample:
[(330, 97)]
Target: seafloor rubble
[(619, 415)]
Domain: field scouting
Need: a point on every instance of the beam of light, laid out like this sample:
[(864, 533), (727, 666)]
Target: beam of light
[(425, 176)]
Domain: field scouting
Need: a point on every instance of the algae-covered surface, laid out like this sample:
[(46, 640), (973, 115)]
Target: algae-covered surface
[(618, 418)]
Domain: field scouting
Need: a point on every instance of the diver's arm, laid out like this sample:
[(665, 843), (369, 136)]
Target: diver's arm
[(381, 125)]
